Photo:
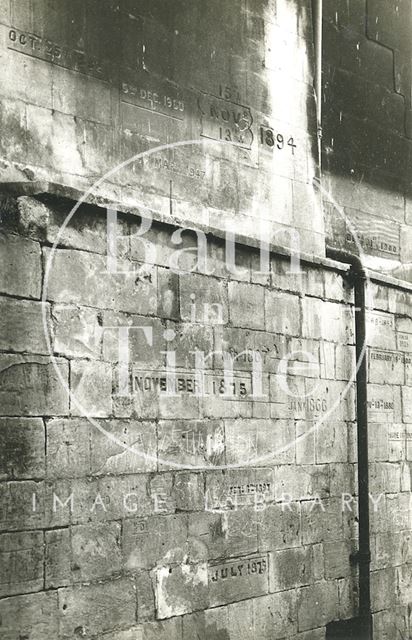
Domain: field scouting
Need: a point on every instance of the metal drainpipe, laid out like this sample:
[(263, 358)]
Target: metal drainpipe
[(363, 556), (358, 280), (317, 15)]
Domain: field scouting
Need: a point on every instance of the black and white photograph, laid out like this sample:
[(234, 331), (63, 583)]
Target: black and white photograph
[(206, 319)]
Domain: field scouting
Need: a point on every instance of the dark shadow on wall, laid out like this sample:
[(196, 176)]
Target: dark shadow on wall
[(367, 124)]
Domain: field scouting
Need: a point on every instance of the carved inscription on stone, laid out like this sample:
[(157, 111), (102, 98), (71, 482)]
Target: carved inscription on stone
[(190, 384), (147, 92), (405, 342), (237, 569), (63, 56), (376, 237), (226, 121), (238, 579)]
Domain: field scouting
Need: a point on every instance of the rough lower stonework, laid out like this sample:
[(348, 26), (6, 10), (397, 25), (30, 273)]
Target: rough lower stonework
[(140, 500), (367, 130), (217, 516)]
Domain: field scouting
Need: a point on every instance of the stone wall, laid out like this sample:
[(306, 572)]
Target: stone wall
[(212, 516), (223, 93), (139, 501), (367, 122)]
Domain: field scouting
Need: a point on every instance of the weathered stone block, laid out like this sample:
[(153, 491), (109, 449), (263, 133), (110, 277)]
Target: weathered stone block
[(244, 301), (332, 442), (335, 287), (142, 339), (32, 616), (159, 394), (384, 403), (398, 513), (306, 282), (206, 625), (161, 493), (203, 299), (365, 196), (305, 442), (86, 229), (383, 596), (391, 549), (95, 609), (314, 634), (123, 446), (238, 579), (5, 12), (58, 559), (95, 551), (217, 405), (403, 579), (279, 526), (386, 477), (399, 302), (317, 605), (22, 448), (21, 563), (304, 358), (78, 277), (379, 442), (244, 348), (386, 624), (404, 325), (377, 296), (20, 267), (386, 365), (22, 505), (259, 442), (160, 630), (21, 326), (301, 482), (327, 360), (380, 330), (215, 535), (234, 488), (345, 362), (291, 568), (323, 521), (310, 399), (275, 615), (168, 294), (181, 589), (408, 370), (327, 320), (91, 388), (68, 448), (407, 404), (348, 598), (77, 331), (186, 338), (337, 559), (285, 393), (154, 541), (145, 590), (155, 246), (82, 501), (191, 443), (30, 385), (188, 491), (282, 313), (240, 619), (236, 269)]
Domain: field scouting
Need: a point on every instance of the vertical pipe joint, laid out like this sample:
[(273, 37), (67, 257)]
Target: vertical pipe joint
[(317, 13), (357, 277)]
